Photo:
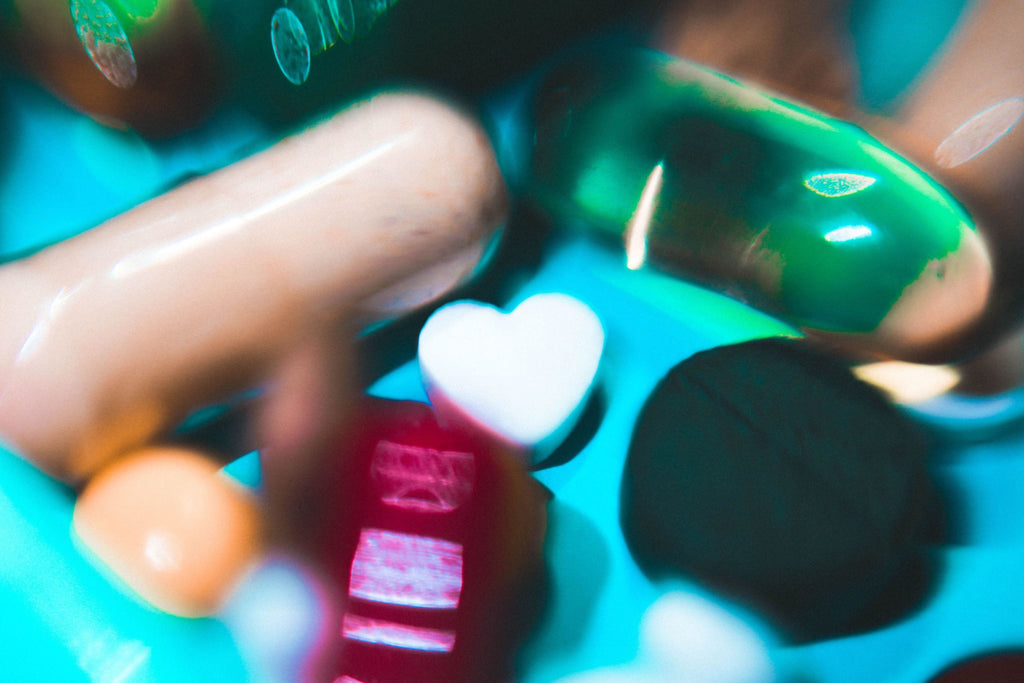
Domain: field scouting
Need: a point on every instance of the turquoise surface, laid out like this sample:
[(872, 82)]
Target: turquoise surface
[(64, 619)]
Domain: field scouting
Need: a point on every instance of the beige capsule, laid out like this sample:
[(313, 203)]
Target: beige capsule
[(174, 528), (112, 337)]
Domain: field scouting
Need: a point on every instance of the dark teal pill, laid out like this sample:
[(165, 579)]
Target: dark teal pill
[(767, 472)]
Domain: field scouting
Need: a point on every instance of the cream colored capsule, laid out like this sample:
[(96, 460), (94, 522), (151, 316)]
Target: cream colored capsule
[(172, 526), (113, 336)]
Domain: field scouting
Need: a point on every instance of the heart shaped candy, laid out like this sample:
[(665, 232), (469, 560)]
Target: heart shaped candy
[(524, 376)]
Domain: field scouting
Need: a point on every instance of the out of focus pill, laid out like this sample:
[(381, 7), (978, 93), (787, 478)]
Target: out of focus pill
[(281, 617), (688, 637), (171, 526), (703, 642)]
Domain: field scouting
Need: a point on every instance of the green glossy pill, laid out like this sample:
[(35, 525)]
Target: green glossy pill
[(801, 215)]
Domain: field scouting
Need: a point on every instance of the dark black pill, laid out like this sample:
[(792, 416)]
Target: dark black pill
[(768, 472), (1001, 667)]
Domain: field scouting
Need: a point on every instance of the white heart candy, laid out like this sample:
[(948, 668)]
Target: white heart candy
[(525, 375)]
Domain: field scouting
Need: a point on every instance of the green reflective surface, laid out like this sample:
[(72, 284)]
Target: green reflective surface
[(799, 214), (137, 9)]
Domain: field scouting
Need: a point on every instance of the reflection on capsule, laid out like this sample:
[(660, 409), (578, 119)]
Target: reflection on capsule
[(303, 28), (291, 45), (838, 184), (105, 41), (979, 132)]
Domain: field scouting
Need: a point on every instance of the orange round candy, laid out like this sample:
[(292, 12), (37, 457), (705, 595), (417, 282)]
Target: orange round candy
[(172, 526)]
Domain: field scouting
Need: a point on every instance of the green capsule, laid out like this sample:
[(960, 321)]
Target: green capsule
[(801, 215)]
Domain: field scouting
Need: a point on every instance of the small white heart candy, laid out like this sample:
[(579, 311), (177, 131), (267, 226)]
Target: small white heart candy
[(524, 376)]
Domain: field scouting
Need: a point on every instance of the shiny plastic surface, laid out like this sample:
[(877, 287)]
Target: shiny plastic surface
[(804, 216)]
